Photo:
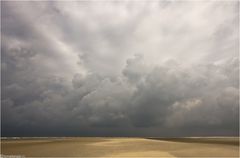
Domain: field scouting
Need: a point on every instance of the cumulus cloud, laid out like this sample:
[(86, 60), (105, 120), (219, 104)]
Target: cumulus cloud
[(119, 68)]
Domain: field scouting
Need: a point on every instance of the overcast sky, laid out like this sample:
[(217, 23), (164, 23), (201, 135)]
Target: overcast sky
[(124, 68)]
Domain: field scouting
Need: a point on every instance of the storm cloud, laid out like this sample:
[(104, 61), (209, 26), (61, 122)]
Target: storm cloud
[(160, 68)]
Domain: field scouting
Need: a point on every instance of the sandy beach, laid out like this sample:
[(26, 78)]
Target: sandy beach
[(121, 147)]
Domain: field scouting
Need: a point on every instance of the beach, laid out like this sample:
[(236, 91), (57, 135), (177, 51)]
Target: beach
[(121, 147)]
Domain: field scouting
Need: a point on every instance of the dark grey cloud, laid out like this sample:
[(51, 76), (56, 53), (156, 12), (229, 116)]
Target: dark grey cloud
[(119, 68)]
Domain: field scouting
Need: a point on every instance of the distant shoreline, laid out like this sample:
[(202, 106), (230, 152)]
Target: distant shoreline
[(117, 137)]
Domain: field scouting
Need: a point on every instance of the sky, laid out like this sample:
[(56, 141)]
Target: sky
[(120, 68)]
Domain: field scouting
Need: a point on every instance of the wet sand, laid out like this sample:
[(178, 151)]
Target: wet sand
[(122, 147)]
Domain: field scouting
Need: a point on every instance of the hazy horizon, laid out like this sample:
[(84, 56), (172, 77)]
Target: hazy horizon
[(124, 68)]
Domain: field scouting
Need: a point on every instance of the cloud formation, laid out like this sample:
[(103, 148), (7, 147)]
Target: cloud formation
[(166, 68)]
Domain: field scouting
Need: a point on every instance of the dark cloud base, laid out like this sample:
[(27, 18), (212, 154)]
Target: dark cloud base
[(158, 103)]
